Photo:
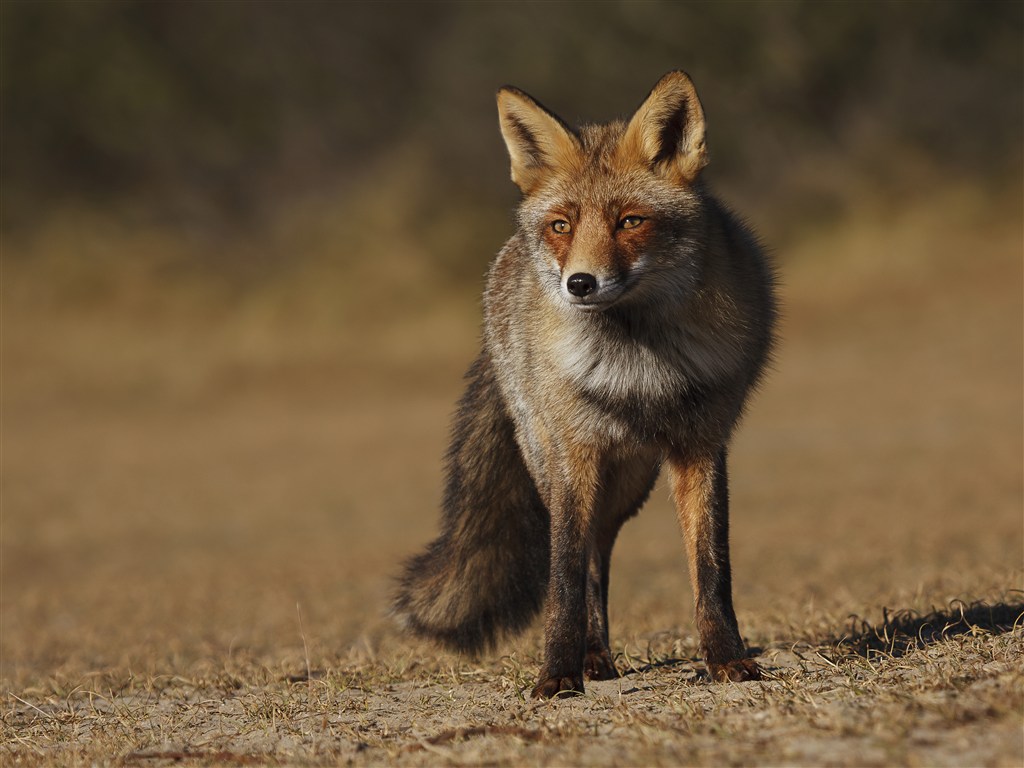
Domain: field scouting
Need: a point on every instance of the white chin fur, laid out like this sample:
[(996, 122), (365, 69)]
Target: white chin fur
[(596, 307), (602, 298)]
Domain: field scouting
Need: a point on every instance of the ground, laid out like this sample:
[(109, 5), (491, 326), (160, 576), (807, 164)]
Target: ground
[(202, 516)]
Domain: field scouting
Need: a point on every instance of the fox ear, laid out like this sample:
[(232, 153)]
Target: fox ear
[(537, 140), (667, 131)]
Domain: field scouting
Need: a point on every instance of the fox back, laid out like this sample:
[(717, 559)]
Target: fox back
[(625, 323)]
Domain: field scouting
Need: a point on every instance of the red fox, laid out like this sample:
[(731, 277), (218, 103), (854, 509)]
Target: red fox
[(625, 323)]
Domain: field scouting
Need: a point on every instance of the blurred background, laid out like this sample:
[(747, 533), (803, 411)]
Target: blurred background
[(243, 247), (269, 139)]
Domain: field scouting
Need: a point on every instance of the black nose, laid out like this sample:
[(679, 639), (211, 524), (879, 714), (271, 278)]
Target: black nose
[(581, 284)]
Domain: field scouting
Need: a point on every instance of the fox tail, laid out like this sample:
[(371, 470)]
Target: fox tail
[(486, 575)]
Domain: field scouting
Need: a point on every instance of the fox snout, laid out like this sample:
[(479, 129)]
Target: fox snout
[(590, 292)]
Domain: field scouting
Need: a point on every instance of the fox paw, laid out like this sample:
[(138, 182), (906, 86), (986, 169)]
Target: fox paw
[(598, 665), (738, 671), (558, 686)]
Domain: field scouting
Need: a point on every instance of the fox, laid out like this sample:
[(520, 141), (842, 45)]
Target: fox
[(626, 322)]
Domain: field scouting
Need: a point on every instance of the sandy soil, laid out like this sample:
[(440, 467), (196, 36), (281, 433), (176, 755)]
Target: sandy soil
[(201, 518)]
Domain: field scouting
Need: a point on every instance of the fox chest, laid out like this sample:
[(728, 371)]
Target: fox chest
[(615, 363), (617, 368), (641, 387), (606, 380)]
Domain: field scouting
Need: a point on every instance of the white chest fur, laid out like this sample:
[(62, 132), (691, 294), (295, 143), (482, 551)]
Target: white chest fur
[(613, 362)]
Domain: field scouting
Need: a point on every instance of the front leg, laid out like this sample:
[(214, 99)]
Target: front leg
[(572, 498), (701, 491)]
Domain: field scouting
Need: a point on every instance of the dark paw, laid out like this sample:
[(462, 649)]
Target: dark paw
[(738, 671), (598, 665), (558, 686)]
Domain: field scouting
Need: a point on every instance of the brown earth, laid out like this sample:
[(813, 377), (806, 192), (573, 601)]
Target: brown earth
[(202, 514)]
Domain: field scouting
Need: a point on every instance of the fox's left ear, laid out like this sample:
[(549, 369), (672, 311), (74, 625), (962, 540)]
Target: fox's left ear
[(667, 131)]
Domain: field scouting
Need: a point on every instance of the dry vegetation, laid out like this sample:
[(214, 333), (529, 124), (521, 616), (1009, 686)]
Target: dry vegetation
[(202, 509)]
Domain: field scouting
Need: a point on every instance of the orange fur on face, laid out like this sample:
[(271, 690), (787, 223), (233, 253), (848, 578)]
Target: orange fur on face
[(597, 242)]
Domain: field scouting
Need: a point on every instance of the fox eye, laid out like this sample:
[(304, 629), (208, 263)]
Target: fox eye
[(631, 222), (561, 226)]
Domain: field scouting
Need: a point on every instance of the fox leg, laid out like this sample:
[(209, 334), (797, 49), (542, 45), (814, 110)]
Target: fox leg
[(700, 488), (598, 663), (626, 485), (572, 497)]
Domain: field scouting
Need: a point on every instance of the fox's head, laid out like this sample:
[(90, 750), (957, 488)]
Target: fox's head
[(610, 210)]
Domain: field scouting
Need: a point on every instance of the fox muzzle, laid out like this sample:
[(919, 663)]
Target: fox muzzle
[(590, 292)]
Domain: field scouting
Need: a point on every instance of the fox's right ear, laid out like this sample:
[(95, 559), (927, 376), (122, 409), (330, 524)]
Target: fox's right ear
[(536, 139)]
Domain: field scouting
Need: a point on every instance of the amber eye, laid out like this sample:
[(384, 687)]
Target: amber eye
[(561, 226), (631, 222)]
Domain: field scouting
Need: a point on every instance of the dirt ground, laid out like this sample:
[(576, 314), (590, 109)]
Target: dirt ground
[(201, 517)]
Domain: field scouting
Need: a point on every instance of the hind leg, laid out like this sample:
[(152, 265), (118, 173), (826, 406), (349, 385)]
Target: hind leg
[(598, 663), (627, 487)]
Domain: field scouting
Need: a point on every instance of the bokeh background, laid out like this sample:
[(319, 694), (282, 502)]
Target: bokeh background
[(243, 247)]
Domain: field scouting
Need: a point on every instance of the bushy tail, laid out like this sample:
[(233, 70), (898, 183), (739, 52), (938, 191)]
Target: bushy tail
[(486, 574)]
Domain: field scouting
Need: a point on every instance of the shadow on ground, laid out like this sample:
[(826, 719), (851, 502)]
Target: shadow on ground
[(899, 633), (906, 630)]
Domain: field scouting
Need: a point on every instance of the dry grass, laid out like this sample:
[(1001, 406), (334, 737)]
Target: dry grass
[(201, 514)]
